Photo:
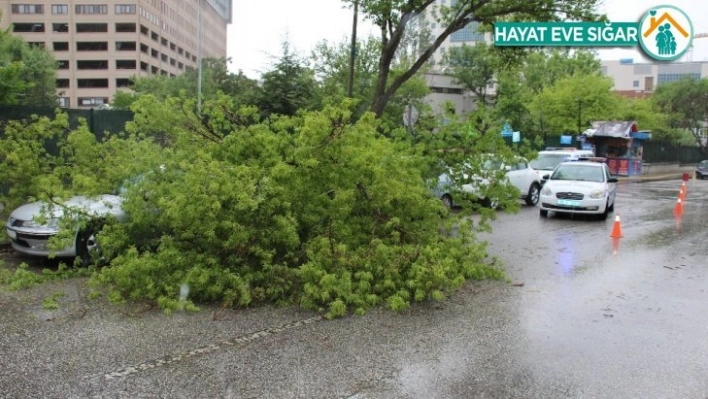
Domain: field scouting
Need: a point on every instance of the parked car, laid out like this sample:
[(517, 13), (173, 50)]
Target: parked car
[(579, 187), (519, 174), (702, 169), (31, 225), (548, 159)]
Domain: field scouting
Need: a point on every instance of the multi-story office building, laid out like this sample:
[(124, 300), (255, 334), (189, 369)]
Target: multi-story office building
[(442, 87), (641, 78), (100, 45)]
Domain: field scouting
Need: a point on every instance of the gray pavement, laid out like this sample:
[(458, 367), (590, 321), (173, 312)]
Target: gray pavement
[(581, 319)]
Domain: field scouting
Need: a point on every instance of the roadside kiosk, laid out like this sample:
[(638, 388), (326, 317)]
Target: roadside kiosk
[(621, 143)]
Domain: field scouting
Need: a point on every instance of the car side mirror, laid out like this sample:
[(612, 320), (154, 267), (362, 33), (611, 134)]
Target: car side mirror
[(545, 177), (612, 180)]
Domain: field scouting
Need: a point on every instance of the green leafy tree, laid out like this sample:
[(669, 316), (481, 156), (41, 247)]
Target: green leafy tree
[(649, 117), (685, 102), (395, 17), (572, 103), (27, 73), (216, 79), (474, 68)]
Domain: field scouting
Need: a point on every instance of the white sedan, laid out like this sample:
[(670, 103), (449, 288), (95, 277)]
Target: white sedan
[(583, 187), (31, 226)]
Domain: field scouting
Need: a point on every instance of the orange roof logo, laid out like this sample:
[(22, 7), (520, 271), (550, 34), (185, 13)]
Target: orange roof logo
[(655, 23)]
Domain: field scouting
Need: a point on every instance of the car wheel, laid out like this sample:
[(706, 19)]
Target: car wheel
[(543, 213), (447, 200), (533, 195), (87, 248), (611, 208), (603, 215), (490, 203)]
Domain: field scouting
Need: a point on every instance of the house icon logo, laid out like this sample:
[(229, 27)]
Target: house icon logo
[(666, 33)]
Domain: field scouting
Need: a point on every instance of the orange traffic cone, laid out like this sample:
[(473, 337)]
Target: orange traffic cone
[(682, 193), (678, 210), (616, 229), (683, 186)]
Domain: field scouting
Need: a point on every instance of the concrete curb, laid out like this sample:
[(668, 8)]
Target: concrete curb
[(642, 179)]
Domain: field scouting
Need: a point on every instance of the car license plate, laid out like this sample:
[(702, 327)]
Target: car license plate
[(568, 202), (12, 234)]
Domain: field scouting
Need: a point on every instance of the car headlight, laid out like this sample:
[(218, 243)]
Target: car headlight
[(597, 194), (546, 191)]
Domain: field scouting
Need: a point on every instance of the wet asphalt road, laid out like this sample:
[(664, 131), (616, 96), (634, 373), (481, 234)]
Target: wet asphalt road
[(590, 321)]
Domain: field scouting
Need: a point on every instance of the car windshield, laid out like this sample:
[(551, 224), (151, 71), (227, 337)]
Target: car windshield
[(548, 161), (579, 173), (492, 164), (703, 164)]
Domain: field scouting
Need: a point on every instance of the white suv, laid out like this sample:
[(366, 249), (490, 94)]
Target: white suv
[(519, 174), (548, 159)]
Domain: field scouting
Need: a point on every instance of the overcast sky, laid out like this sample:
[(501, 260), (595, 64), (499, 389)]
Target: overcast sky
[(260, 27)]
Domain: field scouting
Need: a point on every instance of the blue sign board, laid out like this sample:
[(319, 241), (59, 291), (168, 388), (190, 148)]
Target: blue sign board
[(516, 137), (566, 140), (506, 130)]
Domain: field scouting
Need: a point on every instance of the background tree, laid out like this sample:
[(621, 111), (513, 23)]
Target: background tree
[(289, 86), (571, 103), (685, 103), (216, 79), (394, 17), (473, 68), (27, 73)]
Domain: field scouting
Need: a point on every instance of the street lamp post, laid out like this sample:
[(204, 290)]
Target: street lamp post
[(352, 56), (580, 110)]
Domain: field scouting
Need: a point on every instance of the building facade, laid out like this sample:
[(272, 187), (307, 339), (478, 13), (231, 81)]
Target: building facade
[(100, 45), (443, 90), (641, 79)]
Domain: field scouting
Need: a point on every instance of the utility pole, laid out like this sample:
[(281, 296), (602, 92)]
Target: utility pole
[(199, 59), (352, 57)]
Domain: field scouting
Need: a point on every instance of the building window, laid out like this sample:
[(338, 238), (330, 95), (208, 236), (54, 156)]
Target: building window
[(122, 82), (154, 53), (126, 64), (92, 64), (126, 46), (672, 77), (163, 57), (36, 44), (144, 48), (469, 33), (126, 27), (62, 64), (635, 83), (144, 66), (155, 36), (61, 46), (92, 83), (88, 101), (64, 102), (27, 9), (91, 9), (60, 28), (28, 28), (125, 8), (144, 30), (62, 83), (91, 46), (91, 28), (60, 9)]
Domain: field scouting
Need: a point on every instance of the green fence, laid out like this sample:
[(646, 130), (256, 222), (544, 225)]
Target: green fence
[(99, 120)]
